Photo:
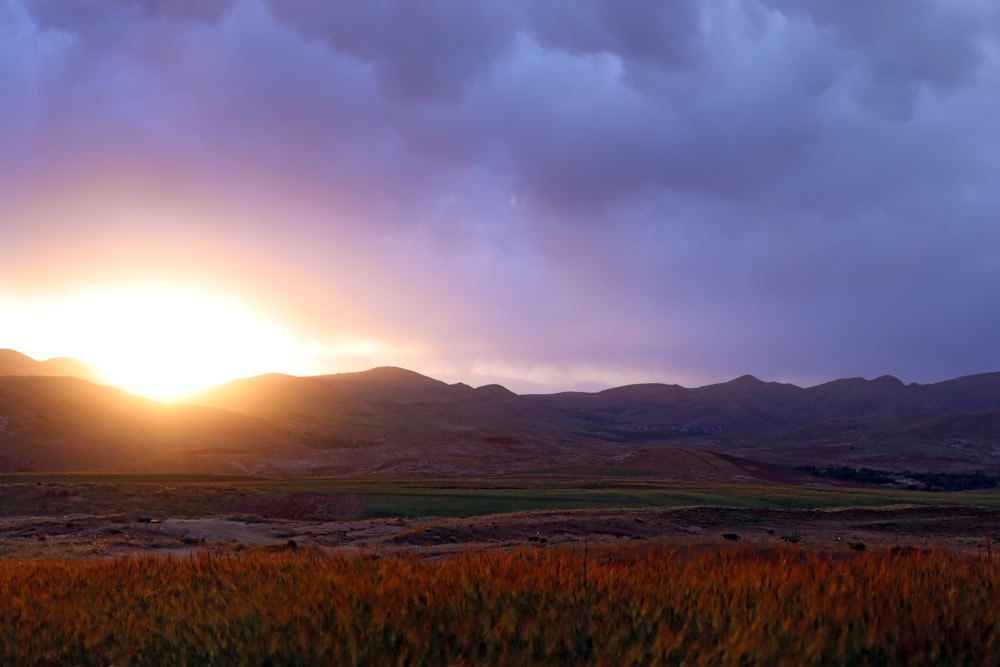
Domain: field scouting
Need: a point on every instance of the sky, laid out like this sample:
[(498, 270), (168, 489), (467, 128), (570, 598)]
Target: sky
[(551, 194)]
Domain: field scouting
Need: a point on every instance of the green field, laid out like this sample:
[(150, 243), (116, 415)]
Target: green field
[(460, 498), (385, 498)]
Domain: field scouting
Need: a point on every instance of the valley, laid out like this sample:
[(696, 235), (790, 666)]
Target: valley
[(86, 516), (390, 459)]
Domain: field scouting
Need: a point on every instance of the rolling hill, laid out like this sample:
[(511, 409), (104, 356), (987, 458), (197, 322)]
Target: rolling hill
[(394, 421), (15, 363), (57, 424), (880, 422)]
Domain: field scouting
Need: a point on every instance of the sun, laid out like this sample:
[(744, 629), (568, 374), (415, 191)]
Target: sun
[(167, 342)]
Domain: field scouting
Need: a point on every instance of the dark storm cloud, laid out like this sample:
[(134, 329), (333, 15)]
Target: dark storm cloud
[(95, 14), (419, 51), (903, 41), (663, 34), (685, 189)]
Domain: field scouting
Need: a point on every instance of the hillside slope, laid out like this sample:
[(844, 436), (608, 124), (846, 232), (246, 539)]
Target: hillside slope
[(15, 363), (67, 424), (395, 421), (879, 422)]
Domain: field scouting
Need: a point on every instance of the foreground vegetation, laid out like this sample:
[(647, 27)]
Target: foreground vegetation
[(622, 607)]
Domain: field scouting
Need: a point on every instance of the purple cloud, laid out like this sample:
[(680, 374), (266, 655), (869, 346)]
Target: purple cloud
[(686, 190)]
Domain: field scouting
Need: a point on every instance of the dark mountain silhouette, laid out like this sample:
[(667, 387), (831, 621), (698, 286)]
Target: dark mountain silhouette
[(15, 363), (899, 425), (748, 406), (392, 420), (69, 424), (386, 402)]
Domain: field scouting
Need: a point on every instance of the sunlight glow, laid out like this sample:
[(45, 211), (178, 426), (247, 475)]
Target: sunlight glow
[(163, 342)]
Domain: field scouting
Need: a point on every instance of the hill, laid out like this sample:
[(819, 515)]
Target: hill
[(15, 363), (55, 424), (392, 421), (371, 406), (880, 422), (64, 424)]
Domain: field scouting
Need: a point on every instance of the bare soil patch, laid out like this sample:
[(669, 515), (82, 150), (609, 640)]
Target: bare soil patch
[(841, 530)]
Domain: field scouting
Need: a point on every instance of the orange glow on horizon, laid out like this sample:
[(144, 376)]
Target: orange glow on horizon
[(164, 342)]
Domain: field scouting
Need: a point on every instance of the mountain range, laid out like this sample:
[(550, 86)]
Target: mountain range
[(15, 363), (397, 422)]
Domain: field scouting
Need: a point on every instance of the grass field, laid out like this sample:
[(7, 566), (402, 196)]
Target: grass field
[(406, 498), (659, 572), (531, 606), (389, 498), (471, 497)]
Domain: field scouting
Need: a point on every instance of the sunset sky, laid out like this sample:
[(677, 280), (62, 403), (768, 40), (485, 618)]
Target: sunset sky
[(574, 193)]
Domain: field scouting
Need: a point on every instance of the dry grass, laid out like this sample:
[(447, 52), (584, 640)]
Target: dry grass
[(730, 606)]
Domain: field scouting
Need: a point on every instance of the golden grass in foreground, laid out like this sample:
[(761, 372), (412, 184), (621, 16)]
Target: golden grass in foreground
[(622, 607)]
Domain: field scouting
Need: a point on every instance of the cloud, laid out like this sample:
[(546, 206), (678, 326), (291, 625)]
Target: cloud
[(433, 51), (687, 189)]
